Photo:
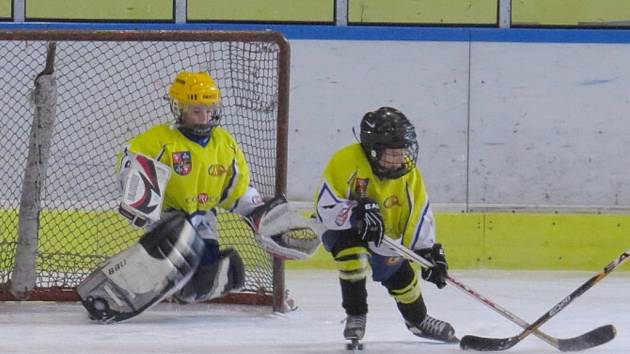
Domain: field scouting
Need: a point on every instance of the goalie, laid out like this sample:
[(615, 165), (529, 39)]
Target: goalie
[(173, 177)]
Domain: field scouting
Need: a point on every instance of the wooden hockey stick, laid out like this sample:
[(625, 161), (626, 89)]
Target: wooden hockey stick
[(584, 341), (496, 344)]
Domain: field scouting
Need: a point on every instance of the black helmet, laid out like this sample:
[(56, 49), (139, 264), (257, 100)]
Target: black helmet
[(388, 128)]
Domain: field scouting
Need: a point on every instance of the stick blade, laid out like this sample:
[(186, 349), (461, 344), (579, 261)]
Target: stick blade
[(487, 344), (598, 336)]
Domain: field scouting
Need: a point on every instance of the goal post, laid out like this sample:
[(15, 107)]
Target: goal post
[(44, 103), (58, 194)]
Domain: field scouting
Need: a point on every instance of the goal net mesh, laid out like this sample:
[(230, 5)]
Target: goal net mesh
[(109, 90)]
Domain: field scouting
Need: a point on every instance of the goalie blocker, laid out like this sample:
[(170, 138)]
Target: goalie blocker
[(144, 181), (165, 260)]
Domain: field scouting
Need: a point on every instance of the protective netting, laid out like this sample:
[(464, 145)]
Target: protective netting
[(107, 92)]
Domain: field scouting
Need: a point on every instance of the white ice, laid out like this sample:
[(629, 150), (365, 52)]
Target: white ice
[(316, 328)]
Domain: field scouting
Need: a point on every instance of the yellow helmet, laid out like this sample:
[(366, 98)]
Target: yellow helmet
[(193, 88)]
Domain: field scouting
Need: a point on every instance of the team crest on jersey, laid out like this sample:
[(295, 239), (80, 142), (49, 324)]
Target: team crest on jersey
[(391, 202), (217, 170), (361, 185), (182, 162)]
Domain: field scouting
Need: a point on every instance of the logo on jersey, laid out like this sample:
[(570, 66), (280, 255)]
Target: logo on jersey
[(182, 162), (342, 216), (391, 201), (202, 198), (393, 260), (360, 186), (217, 170)]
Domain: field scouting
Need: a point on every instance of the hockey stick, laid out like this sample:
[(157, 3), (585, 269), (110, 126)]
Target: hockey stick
[(495, 344), (584, 341)]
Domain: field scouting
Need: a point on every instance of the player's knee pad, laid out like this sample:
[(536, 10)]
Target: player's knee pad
[(413, 312), (351, 255), (352, 263), (214, 280), (403, 285), (135, 279)]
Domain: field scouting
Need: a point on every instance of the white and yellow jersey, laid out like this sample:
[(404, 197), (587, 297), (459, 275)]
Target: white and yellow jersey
[(202, 177), (403, 201)]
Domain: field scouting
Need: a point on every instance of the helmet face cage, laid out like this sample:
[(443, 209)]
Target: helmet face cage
[(389, 141), (194, 88), (194, 129), (380, 162)]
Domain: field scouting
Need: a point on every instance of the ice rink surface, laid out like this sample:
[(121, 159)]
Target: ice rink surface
[(316, 326)]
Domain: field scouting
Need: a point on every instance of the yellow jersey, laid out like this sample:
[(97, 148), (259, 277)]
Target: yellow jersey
[(202, 177), (403, 201)]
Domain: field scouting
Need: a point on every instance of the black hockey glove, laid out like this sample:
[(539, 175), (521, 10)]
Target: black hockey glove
[(438, 273), (367, 221)]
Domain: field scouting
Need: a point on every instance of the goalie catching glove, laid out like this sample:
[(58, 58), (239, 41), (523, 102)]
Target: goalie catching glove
[(283, 231), (438, 273)]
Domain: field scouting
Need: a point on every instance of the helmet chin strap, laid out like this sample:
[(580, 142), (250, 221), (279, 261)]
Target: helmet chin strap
[(354, 132), (196, 129), (201, 130), (389, 173)]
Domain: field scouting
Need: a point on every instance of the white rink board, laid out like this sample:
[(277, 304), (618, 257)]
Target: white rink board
[(315, 327), (499, 124)]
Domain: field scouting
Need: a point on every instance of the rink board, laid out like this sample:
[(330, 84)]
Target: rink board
[(472, 240), (525, 241), (78, 238)]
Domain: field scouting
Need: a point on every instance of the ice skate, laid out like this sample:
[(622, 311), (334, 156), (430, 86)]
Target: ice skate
[(354, 331), (432, 328)]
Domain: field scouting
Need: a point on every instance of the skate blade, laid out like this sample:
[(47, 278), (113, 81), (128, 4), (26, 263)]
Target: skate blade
[(354, 345)]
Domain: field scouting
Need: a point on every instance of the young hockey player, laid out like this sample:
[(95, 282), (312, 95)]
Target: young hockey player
[(371, 189), (173, 177)]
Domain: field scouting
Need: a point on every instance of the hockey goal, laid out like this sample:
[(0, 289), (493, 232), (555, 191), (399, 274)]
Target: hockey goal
[(59, 139)]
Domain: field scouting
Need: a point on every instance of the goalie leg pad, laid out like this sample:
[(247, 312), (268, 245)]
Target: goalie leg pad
[(214, 280), (135, 279)]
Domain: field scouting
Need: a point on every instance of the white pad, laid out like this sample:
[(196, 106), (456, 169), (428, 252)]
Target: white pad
[(143, 275), (144, 187), (285, 232), (292, 244)]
